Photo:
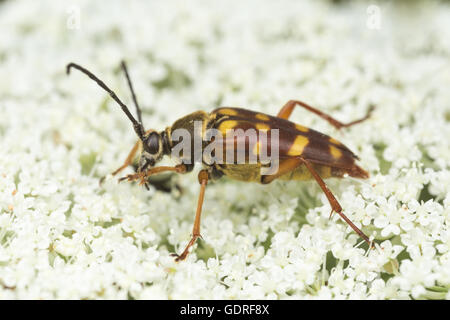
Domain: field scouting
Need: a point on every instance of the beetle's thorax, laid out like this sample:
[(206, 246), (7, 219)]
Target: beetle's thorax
[(191, 122), (189, 128)]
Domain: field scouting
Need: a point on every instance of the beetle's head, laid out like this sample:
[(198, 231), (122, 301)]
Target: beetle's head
[(152, 150)]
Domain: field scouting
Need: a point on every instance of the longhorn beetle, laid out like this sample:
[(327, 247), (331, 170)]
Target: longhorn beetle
[(303, 153)]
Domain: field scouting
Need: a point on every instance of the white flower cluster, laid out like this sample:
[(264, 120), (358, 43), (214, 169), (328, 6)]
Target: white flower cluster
[(62, 236)]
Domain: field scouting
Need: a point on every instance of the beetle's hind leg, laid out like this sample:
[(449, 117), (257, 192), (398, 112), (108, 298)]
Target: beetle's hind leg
[(335, 206), (287, 109)]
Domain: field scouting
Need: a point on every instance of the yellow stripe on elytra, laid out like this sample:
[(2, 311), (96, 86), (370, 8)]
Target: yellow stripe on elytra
[(335, 152), (297, 147), (227, 125), (228, 111), (262, 126), (263, 117), (301, 128)]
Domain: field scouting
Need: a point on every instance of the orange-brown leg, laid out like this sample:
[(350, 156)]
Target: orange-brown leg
[(128, 161), (142, 176), (287, 109), (203, 177), (335, 206)]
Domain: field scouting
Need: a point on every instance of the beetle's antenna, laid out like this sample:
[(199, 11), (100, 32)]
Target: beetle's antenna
[(138, 109), (136, 125)]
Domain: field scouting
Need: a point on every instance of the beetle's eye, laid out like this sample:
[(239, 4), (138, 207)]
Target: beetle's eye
[(153, 143)]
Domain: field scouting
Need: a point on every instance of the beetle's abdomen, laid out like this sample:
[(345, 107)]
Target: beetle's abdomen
[(331, 157)]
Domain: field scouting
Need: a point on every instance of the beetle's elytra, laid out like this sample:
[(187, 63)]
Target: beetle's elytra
[(303, 153)]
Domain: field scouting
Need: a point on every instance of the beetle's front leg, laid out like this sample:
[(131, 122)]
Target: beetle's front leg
[(128, 161), (203, 178), (142, 176)]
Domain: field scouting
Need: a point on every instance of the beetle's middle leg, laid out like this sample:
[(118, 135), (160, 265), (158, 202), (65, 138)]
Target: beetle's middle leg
[(203, 178), (287, 109), (335, 206)]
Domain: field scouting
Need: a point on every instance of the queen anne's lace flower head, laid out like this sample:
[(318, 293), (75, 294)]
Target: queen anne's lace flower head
[(64, 236)]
